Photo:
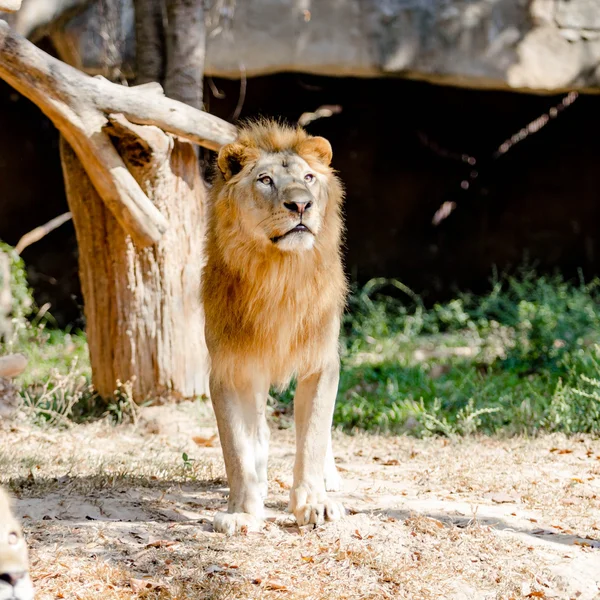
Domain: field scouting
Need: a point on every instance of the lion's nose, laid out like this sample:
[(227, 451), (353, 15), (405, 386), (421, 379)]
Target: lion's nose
[(12, 578), (298, 207)]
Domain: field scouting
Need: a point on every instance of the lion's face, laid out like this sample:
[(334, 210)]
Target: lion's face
[(281, 196), (285, 202), (15, 583)]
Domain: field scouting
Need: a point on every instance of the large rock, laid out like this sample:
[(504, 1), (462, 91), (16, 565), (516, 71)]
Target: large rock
[(545, 45)]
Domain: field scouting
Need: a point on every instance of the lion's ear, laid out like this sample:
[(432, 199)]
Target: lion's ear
[(318, 147), (231, 160)]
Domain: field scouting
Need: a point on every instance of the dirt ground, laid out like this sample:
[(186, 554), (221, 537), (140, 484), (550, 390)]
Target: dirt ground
[(115, 512)]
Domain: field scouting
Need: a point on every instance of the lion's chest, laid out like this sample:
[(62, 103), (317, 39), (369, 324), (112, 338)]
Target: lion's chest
[(286, 331)]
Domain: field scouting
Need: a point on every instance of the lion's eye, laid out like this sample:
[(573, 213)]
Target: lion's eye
[(309, 178), (13, 538), (265, 180)]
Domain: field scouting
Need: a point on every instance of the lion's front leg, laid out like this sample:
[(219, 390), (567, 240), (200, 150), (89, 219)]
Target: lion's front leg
[(240, 417), (333, 480), (313, 411)]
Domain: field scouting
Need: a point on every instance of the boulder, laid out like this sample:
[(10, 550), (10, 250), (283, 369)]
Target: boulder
[(541, 45)]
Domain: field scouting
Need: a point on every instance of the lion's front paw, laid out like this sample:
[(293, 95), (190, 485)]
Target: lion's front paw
[(232, 523), (317, 514), (311, 507)]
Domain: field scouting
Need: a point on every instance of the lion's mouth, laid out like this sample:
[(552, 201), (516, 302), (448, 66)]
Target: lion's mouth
[(300, 228)]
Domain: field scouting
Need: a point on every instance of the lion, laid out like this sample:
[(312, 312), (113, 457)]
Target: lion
[(15, 582), (274, 290)]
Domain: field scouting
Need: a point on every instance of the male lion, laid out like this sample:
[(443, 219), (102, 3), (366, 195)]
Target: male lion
[(274, 290), (15, 583)]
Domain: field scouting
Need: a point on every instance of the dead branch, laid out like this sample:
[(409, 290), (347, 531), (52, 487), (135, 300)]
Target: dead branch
[(10, 5), (35, 235), (78, 106), (12, 365), (37, 17)]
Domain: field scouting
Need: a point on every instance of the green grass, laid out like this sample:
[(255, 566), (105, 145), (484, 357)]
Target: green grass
[(521, 359)]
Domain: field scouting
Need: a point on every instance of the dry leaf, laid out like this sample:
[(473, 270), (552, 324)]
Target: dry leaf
[(160, 543), (282, 484), (536, 594), (391, 463), (435, 522), (561, 450), (273, 584), (139, 585), (206, 442)]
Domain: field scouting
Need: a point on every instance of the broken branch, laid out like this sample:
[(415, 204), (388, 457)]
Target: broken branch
[(35, 235), (78, 106)]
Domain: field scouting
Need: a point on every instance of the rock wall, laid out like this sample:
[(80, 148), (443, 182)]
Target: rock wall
[(542, 45)]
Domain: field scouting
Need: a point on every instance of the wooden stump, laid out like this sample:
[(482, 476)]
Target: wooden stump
[(144, 318)]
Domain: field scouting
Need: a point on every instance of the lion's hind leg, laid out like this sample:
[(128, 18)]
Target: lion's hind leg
[(240, 413)]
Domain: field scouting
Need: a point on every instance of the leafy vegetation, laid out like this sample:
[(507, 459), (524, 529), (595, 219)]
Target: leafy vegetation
[(22, 300), (521, 359)]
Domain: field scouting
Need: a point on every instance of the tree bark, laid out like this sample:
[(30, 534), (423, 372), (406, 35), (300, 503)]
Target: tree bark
[(149, 41), (186, 50), (144, 318)]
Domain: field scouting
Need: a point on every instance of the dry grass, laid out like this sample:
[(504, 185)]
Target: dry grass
[(116, 513)]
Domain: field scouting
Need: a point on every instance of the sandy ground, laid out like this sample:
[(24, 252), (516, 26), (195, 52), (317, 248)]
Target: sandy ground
[(116, 512)]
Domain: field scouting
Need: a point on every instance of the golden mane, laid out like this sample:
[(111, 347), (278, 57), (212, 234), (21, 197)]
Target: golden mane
[(266, 309)]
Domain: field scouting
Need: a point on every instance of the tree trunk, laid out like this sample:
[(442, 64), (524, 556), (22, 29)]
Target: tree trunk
[(145, 322), (149, 40), (138, 209), (186, 49)]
